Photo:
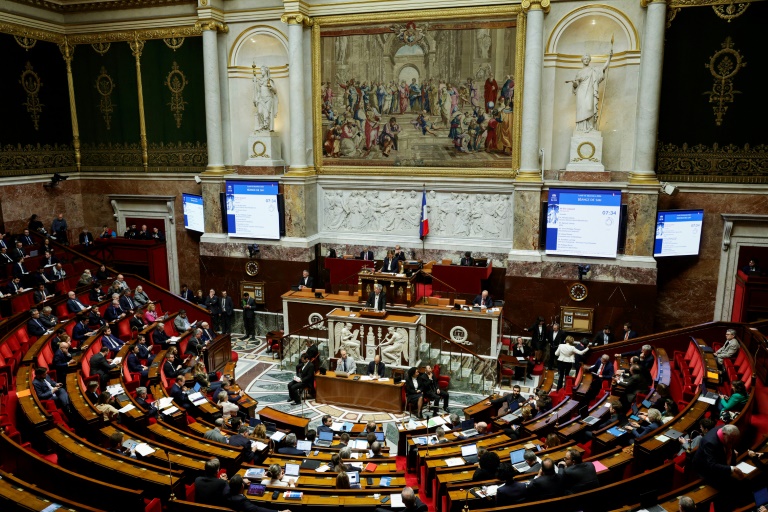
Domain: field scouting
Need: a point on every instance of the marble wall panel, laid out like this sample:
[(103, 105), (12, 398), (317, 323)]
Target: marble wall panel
[(527, 204), (567, 271), (295, 210), (20, 201), (212, 204), (641, 223)]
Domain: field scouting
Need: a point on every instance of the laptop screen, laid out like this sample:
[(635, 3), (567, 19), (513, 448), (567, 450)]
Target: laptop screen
[(197, 387), (304, 446), (380, 436), (467, 424), (517, 455), (292, 469), (271, 427), (634, 409), (354, 477), (761, 497), (326, 435), (470, 450)]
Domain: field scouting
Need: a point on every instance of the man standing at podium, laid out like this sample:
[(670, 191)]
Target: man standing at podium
[(306, 281), (378, 299), (367, 255)]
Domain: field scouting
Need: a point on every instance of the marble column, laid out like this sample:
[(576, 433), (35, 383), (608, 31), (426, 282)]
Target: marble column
[(649, 97), (296, 84), (530, 169), (226, 119), (642, 201), (212, 187), (525, 229), (213, 95)]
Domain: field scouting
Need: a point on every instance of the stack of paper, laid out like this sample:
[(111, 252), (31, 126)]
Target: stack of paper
[(277, 436), (259, 445), (200, 401), (336, 426), (360, 444), (703, 398), (454, 461), (164, 402), (144, 449), (170, 410), (117, 360), (126, 408), (323, 468), (396, 501)]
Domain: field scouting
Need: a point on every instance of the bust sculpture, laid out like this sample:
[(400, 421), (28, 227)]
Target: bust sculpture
[(265, 100), (585, 88)]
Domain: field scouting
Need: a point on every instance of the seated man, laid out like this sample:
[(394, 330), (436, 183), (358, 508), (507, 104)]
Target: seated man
[(179, 393), (644, 427), (127, 303), (729, 349), (215, 434), (578, 476), (345, 363), (113, 343), (431, 389), (467, 260), (159, 336), (35, 327), (645, 360), (46, 389), (289, 446), (637, 383), (305, 378), (325, 424), (48, 318), (209, 488), (134, 365), (602, 371), (101, 366), (95, 320), (81, 331), (306, 281), (208, 334), (181, 322), (520, 349), (483, 300), (509, 402), (196, 344), (114, 311), (512, 491), (548, 485), (410, 500), (73, 303), (376, 368), (142, 398), (61, 359), (715, 460), (41, 294)]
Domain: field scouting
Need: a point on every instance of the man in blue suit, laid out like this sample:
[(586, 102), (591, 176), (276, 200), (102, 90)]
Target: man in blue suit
[(73, 303), (376, 367), (602, 371), (46, 389), (113, 343)]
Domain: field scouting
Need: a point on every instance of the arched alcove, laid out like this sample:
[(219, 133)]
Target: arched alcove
[(589, 29)]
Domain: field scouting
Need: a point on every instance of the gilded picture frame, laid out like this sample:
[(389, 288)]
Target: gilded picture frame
[(410, 23)]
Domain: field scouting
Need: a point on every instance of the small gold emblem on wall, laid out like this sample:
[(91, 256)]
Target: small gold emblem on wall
[(176, 81), (32, 84), (105, 86), (723, 66)]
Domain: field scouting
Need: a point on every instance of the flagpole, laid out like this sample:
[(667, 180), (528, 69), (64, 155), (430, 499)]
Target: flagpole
[(424, 235)]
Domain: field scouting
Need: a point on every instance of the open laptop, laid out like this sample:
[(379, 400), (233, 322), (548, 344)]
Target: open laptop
[(305, 446), (342, 374), (324, 439), (590, 420), (635, 410), (271, 427), (354, 477), (469, 453), (673, 434), (517, 456), (380, 437), (468, 428), (292, 469)]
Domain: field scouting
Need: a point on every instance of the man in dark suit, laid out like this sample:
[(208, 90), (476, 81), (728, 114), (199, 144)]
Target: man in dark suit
[(512, 491), (578, 476), (509, 402), (213, 304), (137, 322), (628, 332), (171, 369), (46, 389), (25, 239), (48, 318), (61, 359), (134, 365), (114, 311), (127, 303), (49, 259), (520, 349), (86, 238), (367, 255), (34, 325), (186, 293), (399, 253), (227, 312), (41, 294), (81, 332), (548, 485), (95, 320), (305, 378), (236, 500), (144, 403), (160, 337), (179, 392), (377, 299), (602, 371), (483, 300), (73, 303), (715, 462), (431, 389), (14, 286), (208, 334), (17, 253), (145, 351), (249, 316), (156, 235), (637, 383), (19, 270), (645, 360), (410, 500), (289, 446), (113, 343), (210, 489), (306, 281), (376, 367), (604, 337), (101, 366), (554, 338), (5, 258), (467, 260), (325, 424), (196, 344)]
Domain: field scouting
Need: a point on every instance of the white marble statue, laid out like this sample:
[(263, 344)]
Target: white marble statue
[(265, 100), (393, 346), (350, 343), (585, 87)]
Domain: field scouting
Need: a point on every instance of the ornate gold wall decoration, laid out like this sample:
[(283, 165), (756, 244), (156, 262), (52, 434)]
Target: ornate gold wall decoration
[(25, 42), (32, 84), (105, 86), (714, 164), (101, 47), (35, 159), (723, 66), (174, 43), (176, 81), (730, 11), (180, 156)]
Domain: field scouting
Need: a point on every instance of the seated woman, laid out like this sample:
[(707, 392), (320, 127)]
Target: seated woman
[(670, 410), (644, 427), (276, 477), (150, 315), (105, 407), (413, 395), (736, 401)]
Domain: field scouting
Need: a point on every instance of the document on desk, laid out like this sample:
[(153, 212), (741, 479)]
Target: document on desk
[(365, 377), (383, 379), (454, 461), (323, 468), (703, 398), (199, 401), (164, 402), (195, 396), (436, 421), (277, 436), (336, 425), (396, 501), (662, 438), (127, 408), (258, 445), (144, 449), (170, 410), (746, 468)]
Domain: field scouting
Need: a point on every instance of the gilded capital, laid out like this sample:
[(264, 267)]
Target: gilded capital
[(213, 25), (137, 46), (296, 18), (646, 3), (532, 5), (67, 50)]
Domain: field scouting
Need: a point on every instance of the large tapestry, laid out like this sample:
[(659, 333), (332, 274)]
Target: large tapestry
[(418, 93)]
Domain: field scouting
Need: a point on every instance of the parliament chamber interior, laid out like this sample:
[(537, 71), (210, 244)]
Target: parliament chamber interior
[(279, 255)]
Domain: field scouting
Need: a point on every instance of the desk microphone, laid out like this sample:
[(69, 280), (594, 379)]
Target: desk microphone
[(172, 497)]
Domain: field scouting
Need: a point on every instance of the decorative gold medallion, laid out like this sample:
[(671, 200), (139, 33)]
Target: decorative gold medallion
[(101, 47), (577, 291), (176, 81), (105, 86), (25, 42), (589, 153), (730, 11), (259, 149), (723, 66), (174, 43), (252, 268), (32, 84)]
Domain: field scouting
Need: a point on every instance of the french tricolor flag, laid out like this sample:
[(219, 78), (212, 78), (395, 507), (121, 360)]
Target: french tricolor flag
[(424, 226)]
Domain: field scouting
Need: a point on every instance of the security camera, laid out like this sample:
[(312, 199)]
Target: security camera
[(55, 180), (668, 189), (583, 270), (198, 180), (253, 250)]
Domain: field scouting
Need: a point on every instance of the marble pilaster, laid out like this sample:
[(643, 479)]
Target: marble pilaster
[(212, 187), (212, 95), (534, 62), (527, 207), (226, 124), (641, 220), (649, 98), (296, 82)]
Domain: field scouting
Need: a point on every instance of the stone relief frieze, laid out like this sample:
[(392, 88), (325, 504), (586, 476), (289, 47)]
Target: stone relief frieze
[(451, 214)]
